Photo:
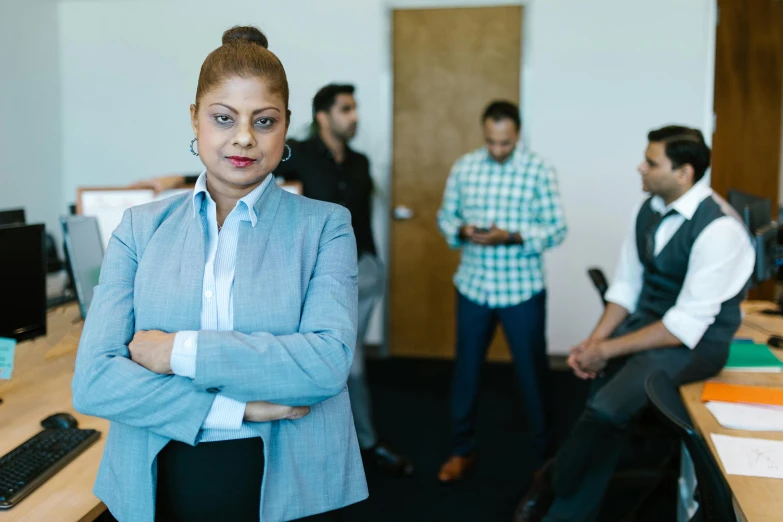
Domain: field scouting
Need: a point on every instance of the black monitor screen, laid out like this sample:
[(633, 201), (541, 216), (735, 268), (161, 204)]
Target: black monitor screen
[(23, 281), (766, 243), (14, 216), (756, 212)]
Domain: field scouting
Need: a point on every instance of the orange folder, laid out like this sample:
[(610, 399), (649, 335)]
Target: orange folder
[(716, 391)]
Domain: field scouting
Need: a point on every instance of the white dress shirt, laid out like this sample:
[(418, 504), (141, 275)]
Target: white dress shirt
[(720, 265), (224, 420)]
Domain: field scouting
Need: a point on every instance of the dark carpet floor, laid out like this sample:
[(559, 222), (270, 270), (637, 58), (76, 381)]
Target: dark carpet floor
[(411, 408)]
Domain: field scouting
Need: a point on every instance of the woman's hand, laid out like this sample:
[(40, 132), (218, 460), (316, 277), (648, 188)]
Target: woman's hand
[(260, 411), (152, 350)]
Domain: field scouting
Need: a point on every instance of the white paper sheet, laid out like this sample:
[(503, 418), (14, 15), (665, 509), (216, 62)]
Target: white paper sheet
[(737, 416), (750, 457), (755, 369), (109, 205)]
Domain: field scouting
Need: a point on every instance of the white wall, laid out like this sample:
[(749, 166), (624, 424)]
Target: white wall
[(600, 75), (596, 77), (30, 162), (128, 83)]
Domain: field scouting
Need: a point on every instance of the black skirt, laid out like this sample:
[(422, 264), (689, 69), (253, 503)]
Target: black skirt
[(210, 481)]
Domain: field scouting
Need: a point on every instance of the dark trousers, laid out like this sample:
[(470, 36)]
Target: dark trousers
[(214, 481), (585, 463), (210, 481), (524, 326)]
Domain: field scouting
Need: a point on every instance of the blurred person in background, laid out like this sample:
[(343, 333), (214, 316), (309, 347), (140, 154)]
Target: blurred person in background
[(673, 307), (502, 208)]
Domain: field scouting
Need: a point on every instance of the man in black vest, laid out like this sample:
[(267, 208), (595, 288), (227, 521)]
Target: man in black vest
[(674, 306)]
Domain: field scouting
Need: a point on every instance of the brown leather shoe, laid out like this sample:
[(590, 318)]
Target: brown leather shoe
[(456, 468), (538, 499)]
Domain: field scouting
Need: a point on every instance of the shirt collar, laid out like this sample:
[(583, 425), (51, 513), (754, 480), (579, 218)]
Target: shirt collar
[(519, 152), (686, 204), (249, 200)]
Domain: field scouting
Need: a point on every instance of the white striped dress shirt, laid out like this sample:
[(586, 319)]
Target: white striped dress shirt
[(224, 420)]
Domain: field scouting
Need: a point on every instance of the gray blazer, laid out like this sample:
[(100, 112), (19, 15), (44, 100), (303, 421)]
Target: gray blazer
[(295, 313)]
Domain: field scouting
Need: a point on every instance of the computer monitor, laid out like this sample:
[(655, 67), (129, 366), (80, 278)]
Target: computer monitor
[(755, 211), (23, 281), (767, 253), (12, 216), (84, 248)]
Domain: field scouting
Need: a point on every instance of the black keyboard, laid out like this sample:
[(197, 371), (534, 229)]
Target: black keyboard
[(27, 466)]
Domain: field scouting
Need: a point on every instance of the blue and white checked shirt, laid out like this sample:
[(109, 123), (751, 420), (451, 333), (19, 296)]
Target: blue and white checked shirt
[(519, 195), (224, 421)]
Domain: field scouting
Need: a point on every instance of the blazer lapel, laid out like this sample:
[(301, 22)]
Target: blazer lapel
[(251, 248), (192, 262)]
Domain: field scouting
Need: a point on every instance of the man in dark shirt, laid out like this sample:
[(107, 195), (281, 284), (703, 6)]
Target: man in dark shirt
[(328, 168), (331, 171)]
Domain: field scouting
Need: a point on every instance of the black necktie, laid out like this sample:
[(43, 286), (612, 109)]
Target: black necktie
[(655, 222)]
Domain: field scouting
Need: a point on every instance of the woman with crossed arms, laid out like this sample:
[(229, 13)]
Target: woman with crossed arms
[(222, 330)]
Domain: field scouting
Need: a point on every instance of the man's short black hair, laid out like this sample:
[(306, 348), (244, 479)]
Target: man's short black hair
[(500, 110), (327, 95), (684, 145), (324, 100)]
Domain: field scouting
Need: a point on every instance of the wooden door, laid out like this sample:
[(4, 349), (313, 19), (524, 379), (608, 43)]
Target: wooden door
[(748, 100), (448, 65)]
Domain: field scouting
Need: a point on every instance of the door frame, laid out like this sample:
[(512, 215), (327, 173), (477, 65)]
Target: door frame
[(387, 115)]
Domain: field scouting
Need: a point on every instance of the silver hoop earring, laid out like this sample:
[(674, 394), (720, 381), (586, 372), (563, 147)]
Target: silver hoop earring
[(289, 153), (192, 142)]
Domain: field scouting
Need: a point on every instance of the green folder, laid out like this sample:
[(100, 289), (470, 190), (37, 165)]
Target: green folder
[(744, 356)]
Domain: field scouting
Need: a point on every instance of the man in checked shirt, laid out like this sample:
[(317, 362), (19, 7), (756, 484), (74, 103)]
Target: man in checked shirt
[(502, 208)]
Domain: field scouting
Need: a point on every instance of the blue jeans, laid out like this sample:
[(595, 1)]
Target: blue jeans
[(524, 326)]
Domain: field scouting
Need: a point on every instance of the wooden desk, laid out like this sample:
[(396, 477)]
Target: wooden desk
[(755, 499), (41, 385)]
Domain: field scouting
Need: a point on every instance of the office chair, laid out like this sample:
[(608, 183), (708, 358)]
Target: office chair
[(598, 278), (714, 495)]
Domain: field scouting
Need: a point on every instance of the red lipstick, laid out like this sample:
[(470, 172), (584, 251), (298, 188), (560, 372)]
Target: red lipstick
[(241, 161)]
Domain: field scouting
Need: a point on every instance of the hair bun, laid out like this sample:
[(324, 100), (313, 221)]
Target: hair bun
[(248, 33)]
